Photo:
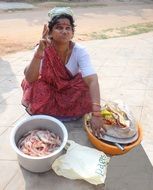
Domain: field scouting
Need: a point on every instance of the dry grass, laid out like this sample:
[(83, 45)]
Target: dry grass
[(134, 29)]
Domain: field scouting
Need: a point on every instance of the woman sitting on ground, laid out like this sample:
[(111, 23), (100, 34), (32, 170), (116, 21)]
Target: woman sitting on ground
[(60, 80)]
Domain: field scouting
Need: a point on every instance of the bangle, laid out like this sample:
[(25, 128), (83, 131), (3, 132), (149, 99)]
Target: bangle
[(97, 104), (38, 56), (96, 110), (96, 113)]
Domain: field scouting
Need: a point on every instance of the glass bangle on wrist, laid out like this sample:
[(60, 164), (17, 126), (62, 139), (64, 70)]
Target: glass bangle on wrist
[(96, 113), (96, 104)]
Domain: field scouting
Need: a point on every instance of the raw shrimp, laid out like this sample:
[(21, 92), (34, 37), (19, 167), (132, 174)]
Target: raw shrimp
[(39, 142)]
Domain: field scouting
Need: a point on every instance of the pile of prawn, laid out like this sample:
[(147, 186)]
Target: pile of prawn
[(39, 143)]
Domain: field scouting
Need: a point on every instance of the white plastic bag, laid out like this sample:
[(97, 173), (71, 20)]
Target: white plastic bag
[(81, 162)]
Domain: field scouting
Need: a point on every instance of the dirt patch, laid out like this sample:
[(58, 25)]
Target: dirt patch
[(21, 30)]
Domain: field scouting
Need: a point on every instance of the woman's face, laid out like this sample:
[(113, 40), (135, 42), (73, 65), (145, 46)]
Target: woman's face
[(62, 31)]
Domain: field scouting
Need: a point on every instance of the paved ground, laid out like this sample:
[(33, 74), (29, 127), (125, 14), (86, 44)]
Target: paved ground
[(125, 69), (15, 6), (15, 25)]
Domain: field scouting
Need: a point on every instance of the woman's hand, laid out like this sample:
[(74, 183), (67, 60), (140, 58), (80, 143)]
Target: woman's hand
[(45, 41), (97, 125)]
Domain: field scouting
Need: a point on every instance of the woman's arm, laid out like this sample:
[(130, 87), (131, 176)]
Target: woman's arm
[(90, 77), (96, 120), (31, 72), (92, 82)]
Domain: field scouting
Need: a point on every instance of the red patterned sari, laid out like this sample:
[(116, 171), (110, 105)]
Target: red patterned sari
[(56, 92)]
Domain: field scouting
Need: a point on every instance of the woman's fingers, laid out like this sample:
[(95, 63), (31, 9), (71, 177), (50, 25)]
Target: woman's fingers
[(48, 40), (45, 31), (102, 131), (97, 126), (45, 41)]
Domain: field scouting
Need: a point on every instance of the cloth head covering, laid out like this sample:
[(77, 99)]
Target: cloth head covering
[(59, 11)]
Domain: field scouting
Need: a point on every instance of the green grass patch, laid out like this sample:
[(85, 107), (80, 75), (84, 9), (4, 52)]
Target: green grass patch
[(134, 29)]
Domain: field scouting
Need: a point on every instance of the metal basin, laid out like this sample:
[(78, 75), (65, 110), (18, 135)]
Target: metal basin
[(38, 164)]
